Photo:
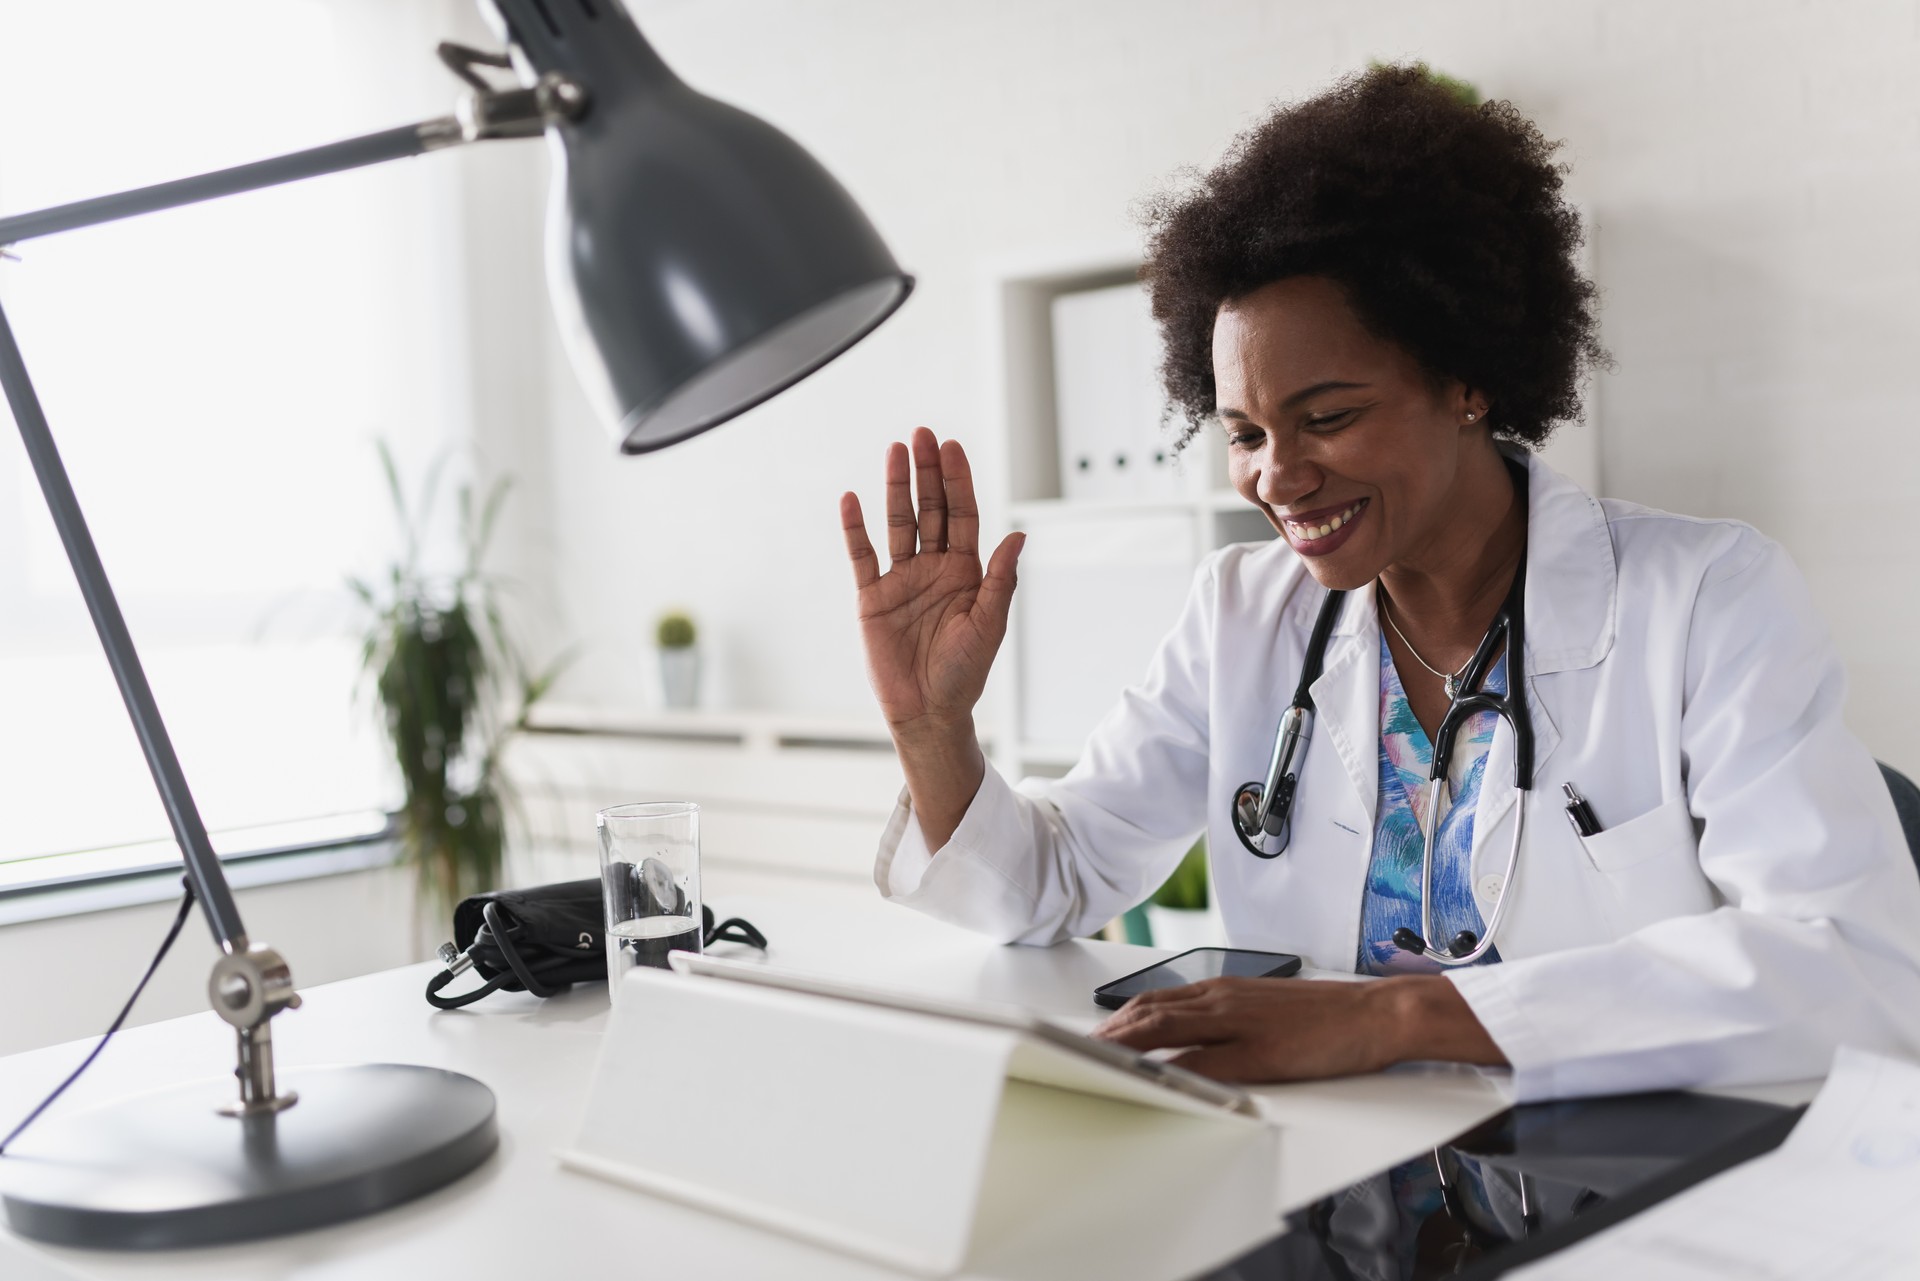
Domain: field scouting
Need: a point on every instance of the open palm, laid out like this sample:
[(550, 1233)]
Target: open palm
[(933, 621)]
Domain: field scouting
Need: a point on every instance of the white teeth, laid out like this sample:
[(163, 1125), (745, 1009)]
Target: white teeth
[(1312, 533)]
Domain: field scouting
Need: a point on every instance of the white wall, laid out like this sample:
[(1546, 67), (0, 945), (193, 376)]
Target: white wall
[(1753, 165)]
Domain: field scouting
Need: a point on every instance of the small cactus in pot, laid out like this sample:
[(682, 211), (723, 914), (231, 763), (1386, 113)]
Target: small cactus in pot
[(676, 637)]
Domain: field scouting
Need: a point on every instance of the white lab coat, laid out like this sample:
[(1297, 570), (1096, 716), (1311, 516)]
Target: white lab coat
[(1749, 906)]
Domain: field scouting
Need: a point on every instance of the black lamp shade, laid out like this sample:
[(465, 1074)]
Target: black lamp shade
[(700, 260)]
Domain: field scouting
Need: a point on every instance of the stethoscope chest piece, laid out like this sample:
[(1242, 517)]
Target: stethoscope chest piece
[(1264, 830)]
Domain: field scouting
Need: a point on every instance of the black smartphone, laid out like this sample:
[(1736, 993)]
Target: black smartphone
[(1192, 967)]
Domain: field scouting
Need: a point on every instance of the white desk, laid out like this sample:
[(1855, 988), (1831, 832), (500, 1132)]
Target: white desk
[(522, 1215)]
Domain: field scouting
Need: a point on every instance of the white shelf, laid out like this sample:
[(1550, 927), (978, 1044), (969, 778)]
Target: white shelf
[(1042, 510), (740, 728)]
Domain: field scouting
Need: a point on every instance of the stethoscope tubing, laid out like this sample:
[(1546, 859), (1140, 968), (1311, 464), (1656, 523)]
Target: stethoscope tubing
[(1484, 944), (1262, 811)]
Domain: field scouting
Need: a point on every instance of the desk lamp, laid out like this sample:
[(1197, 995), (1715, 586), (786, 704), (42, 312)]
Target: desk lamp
[(699, 261)]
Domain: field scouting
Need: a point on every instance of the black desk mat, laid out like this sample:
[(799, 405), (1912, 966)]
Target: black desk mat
[(1532, 1180)]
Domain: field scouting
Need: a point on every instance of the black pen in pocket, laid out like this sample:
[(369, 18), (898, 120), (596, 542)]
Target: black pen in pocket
[(1579, 813)]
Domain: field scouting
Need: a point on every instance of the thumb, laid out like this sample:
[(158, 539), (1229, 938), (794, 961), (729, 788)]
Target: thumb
[(996, 589)]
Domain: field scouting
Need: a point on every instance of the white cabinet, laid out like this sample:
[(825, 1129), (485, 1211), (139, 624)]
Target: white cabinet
[(788, 806), (1097, 592)]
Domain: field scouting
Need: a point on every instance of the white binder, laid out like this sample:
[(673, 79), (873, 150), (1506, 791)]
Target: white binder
[(1108, 401), (875, 1124)]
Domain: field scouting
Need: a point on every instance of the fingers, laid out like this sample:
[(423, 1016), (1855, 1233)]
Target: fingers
[(1151, 1000), (900, 522), (996, 589), (1267, 1030), (1169, 1019), (931, 506), (963, 511), (932, 492), (866, 565), (1167, 1027)]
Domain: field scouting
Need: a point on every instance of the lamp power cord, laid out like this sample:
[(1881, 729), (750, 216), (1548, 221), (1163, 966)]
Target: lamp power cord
[(179, 919)]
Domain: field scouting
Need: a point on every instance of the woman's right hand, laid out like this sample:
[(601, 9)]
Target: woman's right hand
[(933, 621)]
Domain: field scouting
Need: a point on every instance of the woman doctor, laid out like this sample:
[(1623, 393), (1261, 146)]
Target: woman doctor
[(1374, 300)]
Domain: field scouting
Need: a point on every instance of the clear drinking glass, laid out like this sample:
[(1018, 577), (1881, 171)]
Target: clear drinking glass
[(650, 871)]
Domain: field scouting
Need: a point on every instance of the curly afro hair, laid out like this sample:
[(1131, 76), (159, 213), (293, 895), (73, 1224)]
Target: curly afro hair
[(1442, 221)]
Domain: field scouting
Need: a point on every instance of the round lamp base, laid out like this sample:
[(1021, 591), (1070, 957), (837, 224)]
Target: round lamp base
[(168, 1169)]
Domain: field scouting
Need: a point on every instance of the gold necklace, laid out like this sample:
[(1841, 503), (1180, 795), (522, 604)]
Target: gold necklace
[(1452, 682)]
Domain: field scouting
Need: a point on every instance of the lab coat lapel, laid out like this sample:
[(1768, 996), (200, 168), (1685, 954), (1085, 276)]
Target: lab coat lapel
[(1346, 699), (1496, 780), (1571, 580)]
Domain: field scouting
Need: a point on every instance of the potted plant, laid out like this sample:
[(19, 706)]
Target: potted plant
[(679, 660), (452, 689), (1177, 915)]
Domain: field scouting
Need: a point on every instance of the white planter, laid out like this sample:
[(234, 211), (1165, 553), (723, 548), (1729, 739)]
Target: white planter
[(1180, 929), (680, 677)]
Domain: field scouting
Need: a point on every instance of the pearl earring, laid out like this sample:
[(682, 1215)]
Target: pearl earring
[(1471, 415)]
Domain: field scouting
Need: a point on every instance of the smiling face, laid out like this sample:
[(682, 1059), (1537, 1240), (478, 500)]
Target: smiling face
[(1351, 450)]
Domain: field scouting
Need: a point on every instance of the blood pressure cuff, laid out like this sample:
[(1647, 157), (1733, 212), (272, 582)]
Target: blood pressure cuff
[(545, 939)]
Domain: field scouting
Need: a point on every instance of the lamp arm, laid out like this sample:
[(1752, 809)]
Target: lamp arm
[(352, 153), (482, 114)]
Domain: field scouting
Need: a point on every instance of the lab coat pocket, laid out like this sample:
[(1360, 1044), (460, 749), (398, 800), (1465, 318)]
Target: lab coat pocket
[(1651, 866), (1657, 832)]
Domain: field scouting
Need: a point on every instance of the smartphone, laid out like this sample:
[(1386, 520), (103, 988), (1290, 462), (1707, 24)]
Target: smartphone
[(1192, 967)]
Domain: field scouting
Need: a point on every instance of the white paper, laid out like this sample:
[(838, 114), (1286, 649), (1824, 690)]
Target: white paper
[(1841, 1197)]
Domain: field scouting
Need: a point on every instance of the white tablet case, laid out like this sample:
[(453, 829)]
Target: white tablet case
[(866, 1129)]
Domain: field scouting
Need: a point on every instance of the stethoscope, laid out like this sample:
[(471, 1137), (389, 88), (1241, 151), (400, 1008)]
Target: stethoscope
[(1263, 811)]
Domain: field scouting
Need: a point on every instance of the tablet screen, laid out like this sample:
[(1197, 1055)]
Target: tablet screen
[(1530, 1181)]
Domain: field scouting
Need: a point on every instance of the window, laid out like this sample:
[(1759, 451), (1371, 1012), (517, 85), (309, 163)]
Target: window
[(215, 377)]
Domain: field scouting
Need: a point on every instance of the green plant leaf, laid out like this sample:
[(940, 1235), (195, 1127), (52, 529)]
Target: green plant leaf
[(1186, 889)]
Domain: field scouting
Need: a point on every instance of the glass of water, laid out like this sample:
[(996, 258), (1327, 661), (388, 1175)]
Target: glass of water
[(650, 872)]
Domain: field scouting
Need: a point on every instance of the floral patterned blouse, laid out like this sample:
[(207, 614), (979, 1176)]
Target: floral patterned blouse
[(1392, 896)]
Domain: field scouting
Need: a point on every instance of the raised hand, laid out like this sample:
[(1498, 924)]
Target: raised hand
[(933, 621)]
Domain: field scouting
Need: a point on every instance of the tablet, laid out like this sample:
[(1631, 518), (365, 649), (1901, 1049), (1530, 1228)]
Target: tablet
[(1140, 1067), (1516, 1188)]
